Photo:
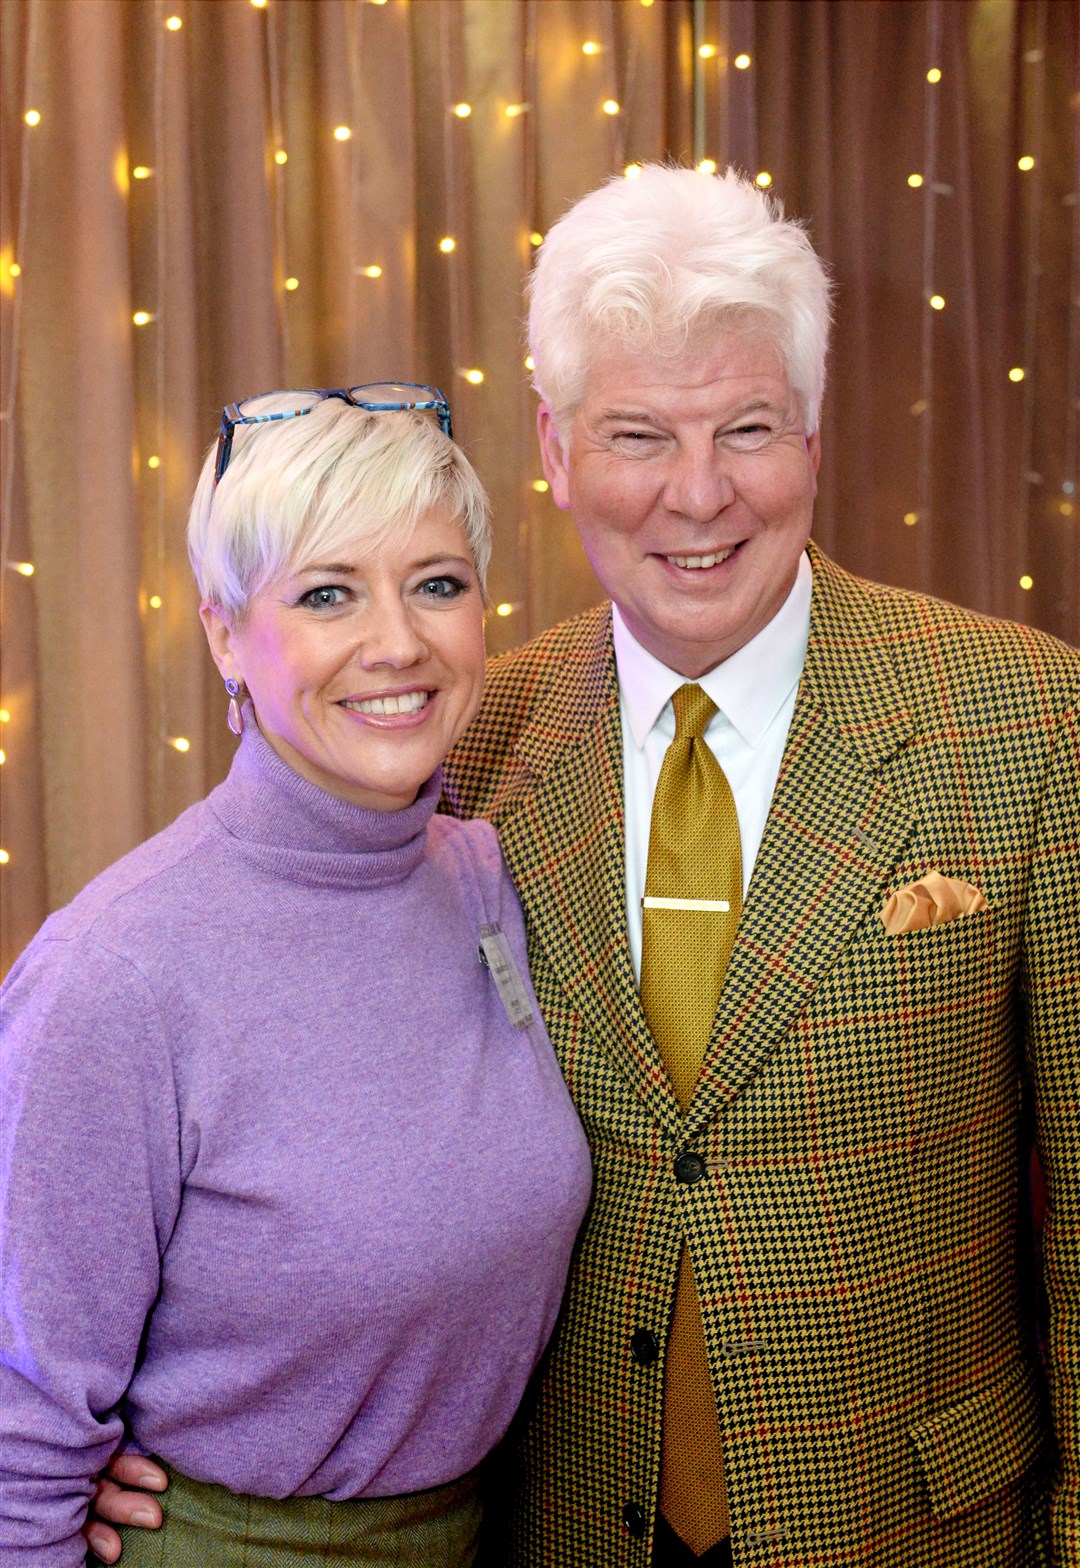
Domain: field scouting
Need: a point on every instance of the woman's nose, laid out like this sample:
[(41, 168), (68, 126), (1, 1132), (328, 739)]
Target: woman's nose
[(391, 636), (699, 484)]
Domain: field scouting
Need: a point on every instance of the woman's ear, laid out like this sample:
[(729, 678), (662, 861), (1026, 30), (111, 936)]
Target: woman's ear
[(219, 634)]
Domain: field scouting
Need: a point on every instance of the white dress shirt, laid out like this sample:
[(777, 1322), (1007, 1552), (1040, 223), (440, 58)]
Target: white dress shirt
[(754, 691)]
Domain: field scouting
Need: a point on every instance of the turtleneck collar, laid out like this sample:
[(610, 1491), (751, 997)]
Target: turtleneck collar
[(295, 830)]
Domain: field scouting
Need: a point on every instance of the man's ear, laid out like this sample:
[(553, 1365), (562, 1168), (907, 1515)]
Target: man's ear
[(219, 634), (553, 457)]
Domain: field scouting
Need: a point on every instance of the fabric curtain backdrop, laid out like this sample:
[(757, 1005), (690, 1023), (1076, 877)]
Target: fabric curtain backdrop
[(203, 199)]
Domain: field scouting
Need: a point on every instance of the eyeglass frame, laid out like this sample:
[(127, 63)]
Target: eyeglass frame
[(231, 417)]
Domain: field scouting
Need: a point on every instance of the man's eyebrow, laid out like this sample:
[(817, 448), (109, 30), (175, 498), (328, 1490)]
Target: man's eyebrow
[(753, 405)]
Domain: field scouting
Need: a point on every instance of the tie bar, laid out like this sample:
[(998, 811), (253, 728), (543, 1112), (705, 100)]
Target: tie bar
[(713, 906)]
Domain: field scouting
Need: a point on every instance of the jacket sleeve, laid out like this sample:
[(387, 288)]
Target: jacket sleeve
[(1052, 982), (89, 1192)]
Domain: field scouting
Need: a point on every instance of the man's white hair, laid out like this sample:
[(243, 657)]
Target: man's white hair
[(643, 264), (315, 487)]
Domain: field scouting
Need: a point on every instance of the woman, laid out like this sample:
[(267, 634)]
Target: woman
[(293, 1174)]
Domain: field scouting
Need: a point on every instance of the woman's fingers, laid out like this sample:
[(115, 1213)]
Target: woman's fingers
[(135, 1470)]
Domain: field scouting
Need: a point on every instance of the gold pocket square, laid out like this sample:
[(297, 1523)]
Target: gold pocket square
[(930, 901)]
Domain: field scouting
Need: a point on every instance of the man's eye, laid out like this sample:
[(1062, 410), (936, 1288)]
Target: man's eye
[(750, 435), (325, 598), (443, 588)]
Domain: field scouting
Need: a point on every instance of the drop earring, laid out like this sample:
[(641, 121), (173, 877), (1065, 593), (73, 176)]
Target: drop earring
[(235, 718)]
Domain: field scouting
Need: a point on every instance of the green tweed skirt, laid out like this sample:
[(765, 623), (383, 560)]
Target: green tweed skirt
[(208, 1526)]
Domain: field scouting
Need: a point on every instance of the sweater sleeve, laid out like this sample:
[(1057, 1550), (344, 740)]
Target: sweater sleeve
[(89, 1193)]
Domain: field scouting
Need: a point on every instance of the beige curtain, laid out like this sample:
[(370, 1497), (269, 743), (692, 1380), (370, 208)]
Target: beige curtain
[(270, 185)]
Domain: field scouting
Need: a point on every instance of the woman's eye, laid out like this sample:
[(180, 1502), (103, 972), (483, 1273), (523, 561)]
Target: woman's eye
[(324, 598), (441, 588)]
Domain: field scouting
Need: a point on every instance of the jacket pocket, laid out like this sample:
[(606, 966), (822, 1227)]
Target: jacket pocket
[(972, 1449)]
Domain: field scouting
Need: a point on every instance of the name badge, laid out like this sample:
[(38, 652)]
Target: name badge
[(496, 957)]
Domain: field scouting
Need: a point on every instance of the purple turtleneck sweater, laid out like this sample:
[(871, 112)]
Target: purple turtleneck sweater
[(287, 1200)]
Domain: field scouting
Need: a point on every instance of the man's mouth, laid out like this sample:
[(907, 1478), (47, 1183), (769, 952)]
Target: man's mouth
[(384, 707), (697, 563)]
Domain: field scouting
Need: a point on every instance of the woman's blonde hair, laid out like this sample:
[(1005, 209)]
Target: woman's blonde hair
[(313, 487)]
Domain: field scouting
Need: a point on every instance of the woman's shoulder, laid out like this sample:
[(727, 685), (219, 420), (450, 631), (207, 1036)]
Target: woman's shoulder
[(473, 842), (136, 891)]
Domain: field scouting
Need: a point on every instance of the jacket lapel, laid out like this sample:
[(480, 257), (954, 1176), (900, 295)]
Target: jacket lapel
[(564, 844), (833, 836)]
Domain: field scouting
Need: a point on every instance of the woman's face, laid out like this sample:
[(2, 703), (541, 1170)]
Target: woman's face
[(364, 671)]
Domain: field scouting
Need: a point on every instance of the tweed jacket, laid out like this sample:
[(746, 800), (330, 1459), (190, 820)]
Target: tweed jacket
[(862, 1119)]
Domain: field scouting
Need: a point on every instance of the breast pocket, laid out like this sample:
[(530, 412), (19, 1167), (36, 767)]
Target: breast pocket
[(939, 1001)]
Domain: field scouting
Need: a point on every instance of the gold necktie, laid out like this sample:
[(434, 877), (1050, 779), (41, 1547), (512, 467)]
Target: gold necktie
[(693, 899)]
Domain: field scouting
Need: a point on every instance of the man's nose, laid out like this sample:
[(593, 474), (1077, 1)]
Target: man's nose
[(699, 484)]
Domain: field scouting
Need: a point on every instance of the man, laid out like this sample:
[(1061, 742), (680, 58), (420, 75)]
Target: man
[(795, 1330)]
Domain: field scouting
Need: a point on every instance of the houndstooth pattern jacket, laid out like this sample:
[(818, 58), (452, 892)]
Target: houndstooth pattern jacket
[(861, 1119)]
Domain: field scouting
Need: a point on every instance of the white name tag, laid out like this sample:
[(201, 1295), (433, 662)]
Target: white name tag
[(496, 957), (712, 906)]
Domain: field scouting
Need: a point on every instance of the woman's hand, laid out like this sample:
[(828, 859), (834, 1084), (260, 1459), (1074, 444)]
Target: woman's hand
[(113, 1502)]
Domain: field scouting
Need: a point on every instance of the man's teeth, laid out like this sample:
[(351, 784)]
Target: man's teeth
[(408, 702), (695, 562)]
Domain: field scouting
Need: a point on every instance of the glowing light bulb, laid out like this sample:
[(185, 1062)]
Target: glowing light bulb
[(15, 270), (632, 171), (462, 110), (1016, 373), (154, 601), (707, 166), (291, 284), (179, 742), (3, 756), (141, 171), (910, 518), (937, 302), (536, 239), (173, 23), (4, 857), (342, 133), (590, 47), (281, 156), (370, 272), (24, 568), (610, 106), (32, 117), (153, 461), (473, 377), (142, 318), (1027, 582), (707, 51), (530, 363), (741, 62), (541, 486), (504, 609), (764, 179), (260, 5), (646, 3), (1065, 508), (512, 110), (5, 715), (447, 244), (1026, 162), (914, 180), (933, 74)]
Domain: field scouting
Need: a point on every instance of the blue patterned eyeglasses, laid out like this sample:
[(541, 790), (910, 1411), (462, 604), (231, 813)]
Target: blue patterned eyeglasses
[(376, 398)]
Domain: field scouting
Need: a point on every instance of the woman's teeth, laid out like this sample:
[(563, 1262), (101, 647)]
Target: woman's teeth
[(408, 702), (696, 562)]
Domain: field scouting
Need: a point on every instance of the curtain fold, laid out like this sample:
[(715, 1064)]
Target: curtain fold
[(294, 194)]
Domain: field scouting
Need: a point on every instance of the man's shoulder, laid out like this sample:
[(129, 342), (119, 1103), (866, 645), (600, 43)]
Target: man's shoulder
[(546, 689), (932, 642)]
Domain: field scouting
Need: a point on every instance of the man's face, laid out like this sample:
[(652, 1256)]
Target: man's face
[(692, 484)]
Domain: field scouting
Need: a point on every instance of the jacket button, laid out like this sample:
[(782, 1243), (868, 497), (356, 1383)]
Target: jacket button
[(644, 1347), (633, 1517), (689, 1168)]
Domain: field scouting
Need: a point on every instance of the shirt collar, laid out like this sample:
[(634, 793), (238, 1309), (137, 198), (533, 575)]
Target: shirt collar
[(749, 688)]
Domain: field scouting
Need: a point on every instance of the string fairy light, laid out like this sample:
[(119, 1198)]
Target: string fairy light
[(742, 62), (1027, 162), (447, 244), (915, 180), (174, 23), (706, 166), (541, 486), (32, 117), (473, 377), (611, 106)]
